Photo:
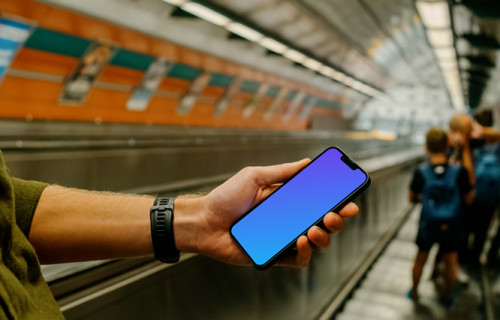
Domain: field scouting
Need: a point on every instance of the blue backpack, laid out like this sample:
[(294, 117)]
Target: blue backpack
[(441, 198), (487, 175)]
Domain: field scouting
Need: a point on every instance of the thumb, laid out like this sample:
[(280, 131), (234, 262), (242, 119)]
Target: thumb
[(279, 173)]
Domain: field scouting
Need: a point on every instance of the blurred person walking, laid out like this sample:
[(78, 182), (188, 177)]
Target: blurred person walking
[(487, 167), (442, 189)]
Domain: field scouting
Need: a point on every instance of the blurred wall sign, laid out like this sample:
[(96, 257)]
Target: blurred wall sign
[(307, 108), (228, 96), (189, 99), (90, 66), (275, 104), (294, 105), (13, 34), (249, 108), (152, 78)]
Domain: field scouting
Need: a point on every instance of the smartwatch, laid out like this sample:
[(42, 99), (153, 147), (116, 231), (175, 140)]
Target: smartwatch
[(162, 230)]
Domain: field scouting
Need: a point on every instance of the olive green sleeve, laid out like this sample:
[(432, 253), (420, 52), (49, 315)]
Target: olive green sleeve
[(26, 194)]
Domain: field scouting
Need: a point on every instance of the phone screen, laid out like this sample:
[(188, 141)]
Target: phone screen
[(275, 223)]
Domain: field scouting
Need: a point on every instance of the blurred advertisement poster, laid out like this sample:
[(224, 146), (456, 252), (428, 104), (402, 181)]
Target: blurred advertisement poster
[(252, 105), (231, 91), (90, 66), (311, 102), (275, 104), (294, 106), (152, 78), (189, 99), (13, 34)]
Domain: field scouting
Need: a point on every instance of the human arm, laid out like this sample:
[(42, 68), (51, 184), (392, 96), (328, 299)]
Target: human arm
[(415, 197), (416, 186), (469, 197), (76, 225), (461, 141), (466, 189), (488, 133), (467, 162)]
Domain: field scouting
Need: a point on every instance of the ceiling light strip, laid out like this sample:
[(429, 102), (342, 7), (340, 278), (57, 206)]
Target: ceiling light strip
[(437, 21), (274, 45)]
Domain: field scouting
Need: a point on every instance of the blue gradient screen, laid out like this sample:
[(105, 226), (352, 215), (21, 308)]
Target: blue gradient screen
[(297, 205)]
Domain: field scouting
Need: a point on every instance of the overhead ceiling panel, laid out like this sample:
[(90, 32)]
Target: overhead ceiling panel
[(348, 17), (274, 16), (478, 27)]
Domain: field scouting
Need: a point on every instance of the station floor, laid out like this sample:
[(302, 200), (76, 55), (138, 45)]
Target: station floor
[(383, 293)]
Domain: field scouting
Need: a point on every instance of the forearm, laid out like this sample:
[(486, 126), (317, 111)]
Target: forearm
[(490, 135), (76, 225), (414, 197), (468, 164)]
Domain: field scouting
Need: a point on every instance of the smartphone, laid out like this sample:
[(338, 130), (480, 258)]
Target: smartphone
[(273, 226)]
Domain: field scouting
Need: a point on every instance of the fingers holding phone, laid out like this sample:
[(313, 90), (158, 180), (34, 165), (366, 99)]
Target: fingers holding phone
[(268, 231)]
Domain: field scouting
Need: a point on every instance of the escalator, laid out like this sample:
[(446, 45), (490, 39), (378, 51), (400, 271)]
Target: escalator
[(382, 293)]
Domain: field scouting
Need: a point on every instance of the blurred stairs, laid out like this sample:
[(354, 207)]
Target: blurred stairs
[(382, 293)]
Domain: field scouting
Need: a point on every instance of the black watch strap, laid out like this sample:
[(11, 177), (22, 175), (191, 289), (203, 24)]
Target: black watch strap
[(162, 230)]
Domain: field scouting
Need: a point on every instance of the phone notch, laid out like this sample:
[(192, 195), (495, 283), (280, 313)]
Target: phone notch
[(348, 161)]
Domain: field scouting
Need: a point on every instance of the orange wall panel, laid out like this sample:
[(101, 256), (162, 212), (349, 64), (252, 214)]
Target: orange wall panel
[(326, 112), (174, 85), (213, 92), (28, 9), (44, 62), (120, 75), (20, 97), (14, 89)]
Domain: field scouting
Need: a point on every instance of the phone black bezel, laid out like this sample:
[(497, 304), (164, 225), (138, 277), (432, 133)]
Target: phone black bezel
[(340, 205)]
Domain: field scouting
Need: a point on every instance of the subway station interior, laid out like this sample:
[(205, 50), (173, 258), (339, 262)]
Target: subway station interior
[(174, 97)]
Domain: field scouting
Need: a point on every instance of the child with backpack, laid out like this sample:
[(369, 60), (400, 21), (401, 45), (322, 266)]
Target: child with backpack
[(442, 189), (487, 171)]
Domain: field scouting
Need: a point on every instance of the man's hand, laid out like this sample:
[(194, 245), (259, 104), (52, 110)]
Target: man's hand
[(202, 225), (77, 225)]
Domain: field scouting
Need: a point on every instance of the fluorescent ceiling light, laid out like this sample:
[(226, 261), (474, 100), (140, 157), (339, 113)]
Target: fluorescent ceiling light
[(349, 81), (434, 14), (440, 37), (451, 73), (445, 53), (294, 55), (244, 31), (273, 45), (339, 76), (448, 64), (363, 88), (175, 2), (206, 13), (327, 71), (452, 81), (358, 85), (445, 58), (313, 64)]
